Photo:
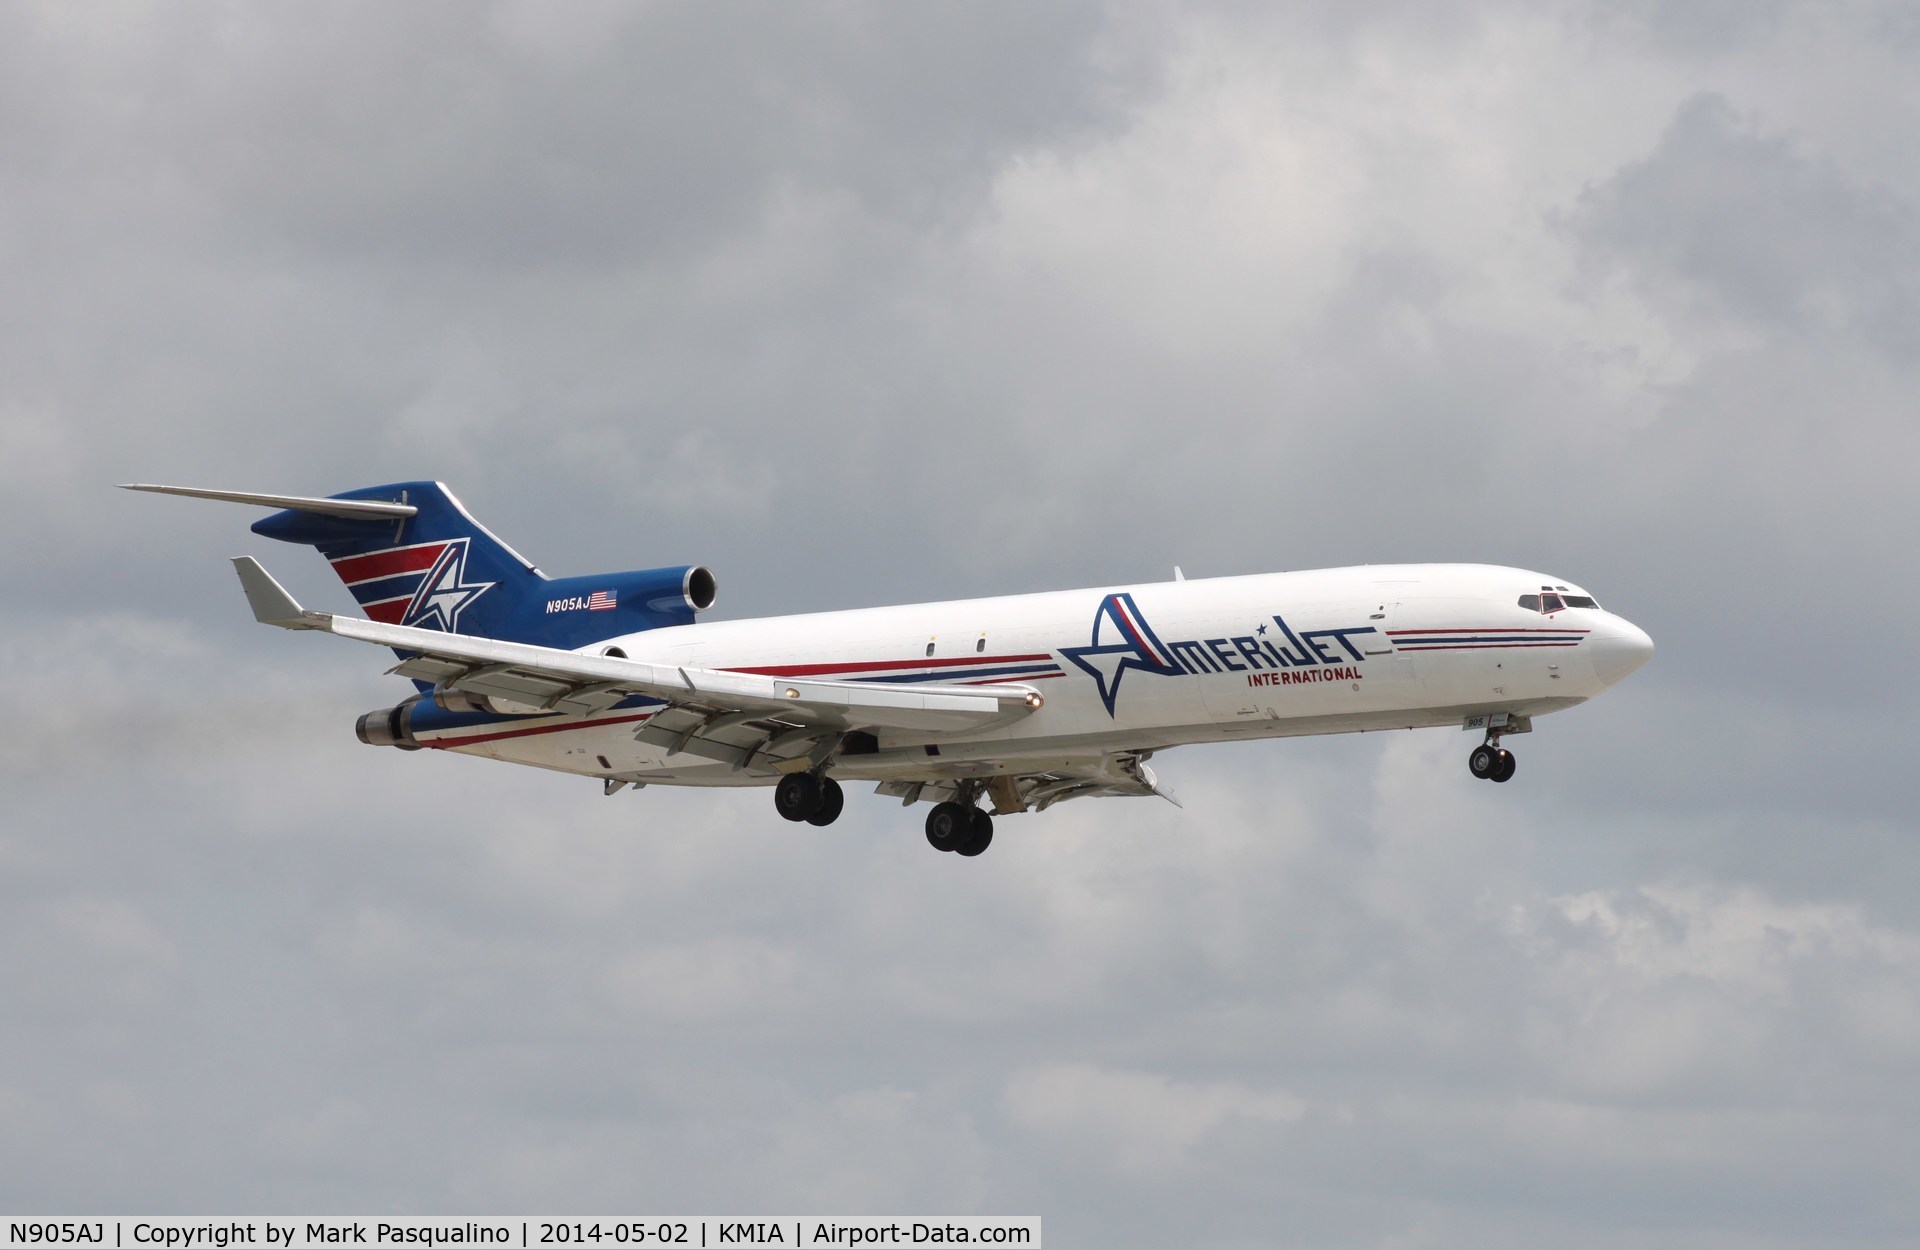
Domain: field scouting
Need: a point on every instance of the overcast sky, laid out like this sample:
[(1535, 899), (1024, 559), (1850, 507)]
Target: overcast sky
[(870, 304)]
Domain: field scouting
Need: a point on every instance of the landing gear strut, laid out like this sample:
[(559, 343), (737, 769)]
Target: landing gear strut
[(810, 797), (960, 828), (1492, 762)]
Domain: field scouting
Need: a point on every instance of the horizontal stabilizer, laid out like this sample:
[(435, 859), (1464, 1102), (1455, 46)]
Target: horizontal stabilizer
[(348, 509), (271, 603)]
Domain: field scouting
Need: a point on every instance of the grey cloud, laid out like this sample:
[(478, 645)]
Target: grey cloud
[(1713, 28), (1737, 223), (493, 139)]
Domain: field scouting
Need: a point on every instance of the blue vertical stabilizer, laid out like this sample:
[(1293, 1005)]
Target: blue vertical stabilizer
[(441, 569)]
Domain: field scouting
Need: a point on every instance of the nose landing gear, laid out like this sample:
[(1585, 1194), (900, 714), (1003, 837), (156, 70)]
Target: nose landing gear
[(1492, 762)]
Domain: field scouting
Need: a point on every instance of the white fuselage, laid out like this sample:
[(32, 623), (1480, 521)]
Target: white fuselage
[(1135, 669)]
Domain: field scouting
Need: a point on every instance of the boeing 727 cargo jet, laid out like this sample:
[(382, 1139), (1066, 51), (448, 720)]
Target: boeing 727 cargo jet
[(1011, 704)]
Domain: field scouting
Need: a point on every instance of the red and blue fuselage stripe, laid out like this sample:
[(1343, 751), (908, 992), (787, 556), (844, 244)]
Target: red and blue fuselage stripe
[(872, 666), (1470, 639), (1486, 629), (1463, 645), (1009, 672), (968, 669)]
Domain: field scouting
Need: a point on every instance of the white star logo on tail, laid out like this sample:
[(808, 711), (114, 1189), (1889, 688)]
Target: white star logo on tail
[(445, 592)]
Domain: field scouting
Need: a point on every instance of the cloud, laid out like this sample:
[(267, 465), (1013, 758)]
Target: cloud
[(1723, 220), (1151, 1125)]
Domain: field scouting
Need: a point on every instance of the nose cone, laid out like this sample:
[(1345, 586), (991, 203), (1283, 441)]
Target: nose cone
[(1619, 648)]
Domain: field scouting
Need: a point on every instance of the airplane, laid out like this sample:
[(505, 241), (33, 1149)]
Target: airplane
[(982, 707)]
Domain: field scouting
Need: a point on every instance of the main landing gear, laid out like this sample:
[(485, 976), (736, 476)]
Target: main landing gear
[(960, 828), (811, 797), (1492, 762)]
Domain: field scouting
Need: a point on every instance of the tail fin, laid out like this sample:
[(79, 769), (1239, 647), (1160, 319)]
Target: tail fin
[(411, 554), (437, 569)]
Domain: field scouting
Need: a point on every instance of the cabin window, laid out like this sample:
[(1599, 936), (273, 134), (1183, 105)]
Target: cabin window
[(980, 646), (929, 649), (1530, 602)]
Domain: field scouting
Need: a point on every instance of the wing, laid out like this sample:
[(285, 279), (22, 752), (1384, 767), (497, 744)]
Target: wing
[(549, 680)]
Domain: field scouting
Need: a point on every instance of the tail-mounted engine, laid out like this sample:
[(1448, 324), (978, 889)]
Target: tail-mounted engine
[(389, 727)]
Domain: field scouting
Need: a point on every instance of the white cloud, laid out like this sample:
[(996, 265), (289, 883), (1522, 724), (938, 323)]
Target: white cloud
[(709, 983), (1145, 1123)]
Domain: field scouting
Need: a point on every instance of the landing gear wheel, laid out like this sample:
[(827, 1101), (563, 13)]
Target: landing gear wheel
[(798, 796), (948, 825), (1504, 770), (979, 836), (1484, 760), (832, 799)]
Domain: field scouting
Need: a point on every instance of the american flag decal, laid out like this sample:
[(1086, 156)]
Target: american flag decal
[(600, 600)]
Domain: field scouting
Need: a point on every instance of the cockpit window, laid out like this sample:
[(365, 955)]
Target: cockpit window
[(1550, 601)]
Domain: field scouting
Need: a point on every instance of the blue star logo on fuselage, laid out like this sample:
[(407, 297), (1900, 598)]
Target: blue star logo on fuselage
[(1121, 640), (444, 592)]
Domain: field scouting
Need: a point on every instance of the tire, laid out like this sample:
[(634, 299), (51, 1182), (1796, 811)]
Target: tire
[(832, 799), (1504, 770), (946, 824), (979, 835), (1484, 760), (798, 796)]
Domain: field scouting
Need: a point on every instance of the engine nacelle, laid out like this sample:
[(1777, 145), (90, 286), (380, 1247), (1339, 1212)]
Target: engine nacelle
[(572, 612), (389, 727), (699, 587), (676, 591)]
